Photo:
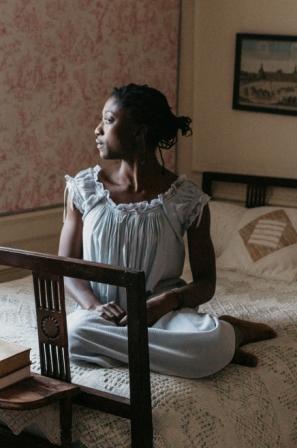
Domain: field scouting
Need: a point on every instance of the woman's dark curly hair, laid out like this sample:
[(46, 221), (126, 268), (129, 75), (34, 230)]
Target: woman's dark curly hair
[(148, 106)]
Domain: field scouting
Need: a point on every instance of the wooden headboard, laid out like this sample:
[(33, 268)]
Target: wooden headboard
[(256, 186)]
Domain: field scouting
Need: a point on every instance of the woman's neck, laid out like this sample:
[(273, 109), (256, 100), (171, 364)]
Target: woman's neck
[(137, 174)]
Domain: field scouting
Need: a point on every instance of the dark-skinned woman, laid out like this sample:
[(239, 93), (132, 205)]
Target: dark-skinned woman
[(134, 214)]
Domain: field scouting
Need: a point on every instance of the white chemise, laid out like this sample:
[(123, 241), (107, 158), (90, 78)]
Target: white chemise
[(144, 236)]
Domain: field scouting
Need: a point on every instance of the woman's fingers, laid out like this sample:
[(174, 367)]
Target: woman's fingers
[(123, 322), (116, 310), (111, 311), (106, 313)]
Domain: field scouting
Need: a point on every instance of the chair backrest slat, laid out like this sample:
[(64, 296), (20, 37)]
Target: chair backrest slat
[(52, 325)]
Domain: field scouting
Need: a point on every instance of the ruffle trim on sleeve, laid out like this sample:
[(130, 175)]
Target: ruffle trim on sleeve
[(187, 204), (197, 211), (73, 193), (83, 190)]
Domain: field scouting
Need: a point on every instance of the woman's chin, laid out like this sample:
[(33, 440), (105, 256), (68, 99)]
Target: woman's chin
[(104, 156), (102, 153), (107, 155)]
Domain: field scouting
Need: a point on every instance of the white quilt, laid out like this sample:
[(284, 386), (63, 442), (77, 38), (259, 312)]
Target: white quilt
[(237, 407)]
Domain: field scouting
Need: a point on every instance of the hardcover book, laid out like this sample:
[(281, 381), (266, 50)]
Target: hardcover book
[(12, 357), (15, 376)]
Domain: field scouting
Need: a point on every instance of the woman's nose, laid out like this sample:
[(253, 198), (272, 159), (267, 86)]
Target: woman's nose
[(98, 129)]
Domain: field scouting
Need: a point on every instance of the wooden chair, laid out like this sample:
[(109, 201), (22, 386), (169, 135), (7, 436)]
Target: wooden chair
[(48, 272), (38, 391)]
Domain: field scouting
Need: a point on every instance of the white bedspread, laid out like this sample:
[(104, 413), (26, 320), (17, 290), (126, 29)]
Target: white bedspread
[(238, 407)]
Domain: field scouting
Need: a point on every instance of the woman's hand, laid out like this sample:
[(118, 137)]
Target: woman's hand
[(156, 307), (111, 311)]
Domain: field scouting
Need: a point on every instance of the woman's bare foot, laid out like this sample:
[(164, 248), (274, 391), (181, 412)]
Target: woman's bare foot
[(244, 358), (246, 333), (250, 331)]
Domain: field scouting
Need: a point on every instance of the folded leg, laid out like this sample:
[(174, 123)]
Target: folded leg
[(182, 343)]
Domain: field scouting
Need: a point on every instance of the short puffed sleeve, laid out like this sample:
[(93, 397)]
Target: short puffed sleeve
[(187, 204), (83, 190)]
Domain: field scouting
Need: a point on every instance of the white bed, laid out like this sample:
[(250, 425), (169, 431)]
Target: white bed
[(237, 407)]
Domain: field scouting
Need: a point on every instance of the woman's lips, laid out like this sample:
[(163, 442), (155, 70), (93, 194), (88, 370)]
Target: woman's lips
[(99, 144)]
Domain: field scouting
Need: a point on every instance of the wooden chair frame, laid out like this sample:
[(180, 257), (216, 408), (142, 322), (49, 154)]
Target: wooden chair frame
[(48, 272)]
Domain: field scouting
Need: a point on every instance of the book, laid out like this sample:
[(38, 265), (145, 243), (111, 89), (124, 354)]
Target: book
[(12, 357), (15, 377)]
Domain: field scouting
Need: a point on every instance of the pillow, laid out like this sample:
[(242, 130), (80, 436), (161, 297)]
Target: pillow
[(264, 244), (224, 217)]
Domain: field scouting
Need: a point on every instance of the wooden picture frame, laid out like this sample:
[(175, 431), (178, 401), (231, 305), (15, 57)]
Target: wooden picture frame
[(265, 74)]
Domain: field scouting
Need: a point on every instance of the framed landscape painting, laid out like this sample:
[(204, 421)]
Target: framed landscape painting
[(265, 78)]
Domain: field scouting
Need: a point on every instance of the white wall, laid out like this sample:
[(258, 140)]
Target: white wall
[(225, 139)]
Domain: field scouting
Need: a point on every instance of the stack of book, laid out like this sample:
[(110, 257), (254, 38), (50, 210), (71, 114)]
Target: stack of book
[(14, 363)]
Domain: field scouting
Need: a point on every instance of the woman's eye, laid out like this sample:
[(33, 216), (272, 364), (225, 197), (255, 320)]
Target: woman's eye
[(107, 120)]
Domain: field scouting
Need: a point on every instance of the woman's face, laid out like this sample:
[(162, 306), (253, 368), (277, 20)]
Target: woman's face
[(116, 132)]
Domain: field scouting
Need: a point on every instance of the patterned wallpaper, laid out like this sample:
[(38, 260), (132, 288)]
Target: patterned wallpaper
[(59, 60)]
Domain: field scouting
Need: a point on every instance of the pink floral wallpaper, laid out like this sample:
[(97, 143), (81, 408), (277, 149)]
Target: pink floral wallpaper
[(59, 59)]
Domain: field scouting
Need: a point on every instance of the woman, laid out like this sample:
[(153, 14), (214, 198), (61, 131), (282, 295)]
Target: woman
[(135, 215)]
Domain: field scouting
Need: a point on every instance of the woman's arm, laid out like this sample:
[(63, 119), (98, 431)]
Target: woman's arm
[(202, 262), (71, 246)]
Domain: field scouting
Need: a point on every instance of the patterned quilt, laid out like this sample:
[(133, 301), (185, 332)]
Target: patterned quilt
[(237, 407)]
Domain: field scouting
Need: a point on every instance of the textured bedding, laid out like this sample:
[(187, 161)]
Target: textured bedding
[(237, 407)]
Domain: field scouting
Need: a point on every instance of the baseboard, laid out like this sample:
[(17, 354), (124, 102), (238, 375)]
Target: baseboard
[(35, 230)]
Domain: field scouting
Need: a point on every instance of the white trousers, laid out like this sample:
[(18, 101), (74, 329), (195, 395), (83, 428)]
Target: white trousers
[(182, 343)]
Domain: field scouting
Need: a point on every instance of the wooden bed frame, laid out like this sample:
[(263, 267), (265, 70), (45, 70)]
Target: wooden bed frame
[(257, 186), (48, 272)]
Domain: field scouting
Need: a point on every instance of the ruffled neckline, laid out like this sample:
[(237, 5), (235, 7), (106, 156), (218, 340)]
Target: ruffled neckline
[(142, 205)]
